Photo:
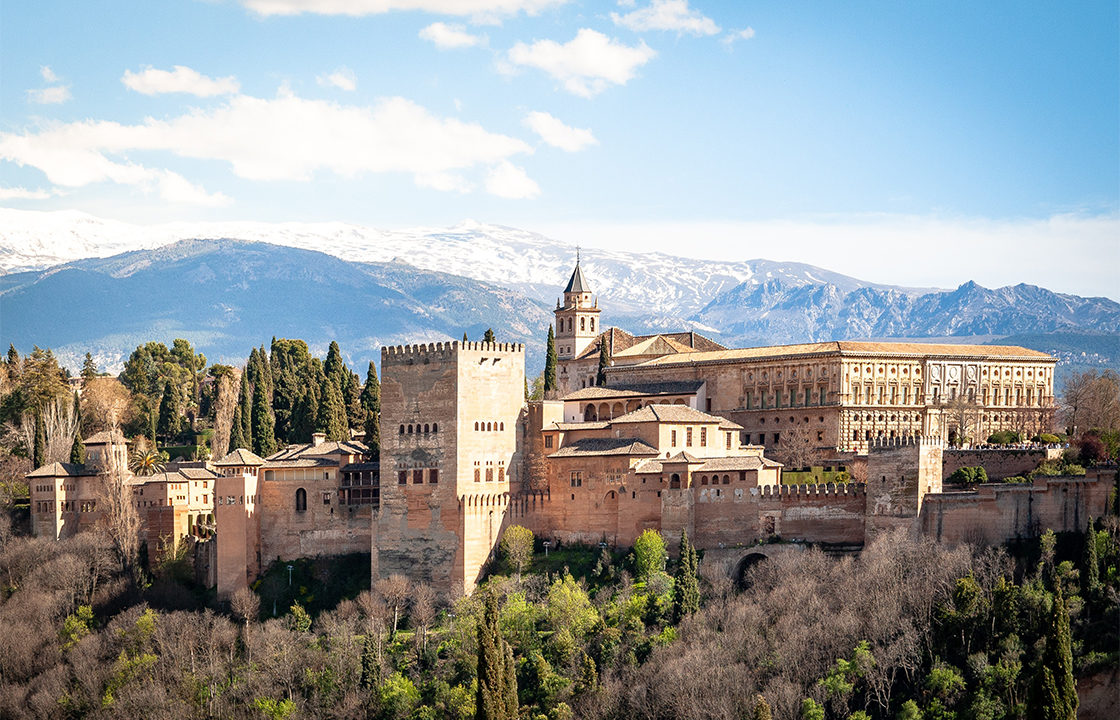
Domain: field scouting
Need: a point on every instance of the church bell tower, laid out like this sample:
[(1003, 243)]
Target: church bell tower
[(577, 317)]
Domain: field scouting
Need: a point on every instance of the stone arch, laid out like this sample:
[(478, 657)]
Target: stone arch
[(589, 414), (674, 481), (744, 566), (301, 500), (616, 410), (604, 411)]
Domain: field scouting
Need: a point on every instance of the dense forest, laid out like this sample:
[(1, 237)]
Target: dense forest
[(905, 629)]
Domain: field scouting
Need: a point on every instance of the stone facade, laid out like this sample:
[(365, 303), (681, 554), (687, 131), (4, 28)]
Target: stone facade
[(450, 416)]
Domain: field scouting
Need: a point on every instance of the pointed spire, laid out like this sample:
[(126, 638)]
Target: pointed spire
[(578, 283)]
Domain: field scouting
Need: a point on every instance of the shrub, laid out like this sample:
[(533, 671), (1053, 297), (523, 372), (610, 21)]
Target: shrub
[(1016, 480), (1004, 437), (969, 475)]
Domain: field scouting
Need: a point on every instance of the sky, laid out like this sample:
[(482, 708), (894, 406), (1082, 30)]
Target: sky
[(922, 143)]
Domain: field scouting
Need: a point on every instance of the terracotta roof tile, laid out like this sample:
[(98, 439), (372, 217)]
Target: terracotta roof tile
[(604, 446), (240, 456)]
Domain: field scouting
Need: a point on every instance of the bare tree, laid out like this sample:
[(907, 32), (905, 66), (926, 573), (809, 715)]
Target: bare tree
[(106, 403), (395, 590), (1091, 400), (224, 406), (423, 613), (796, 449), (118, 514)]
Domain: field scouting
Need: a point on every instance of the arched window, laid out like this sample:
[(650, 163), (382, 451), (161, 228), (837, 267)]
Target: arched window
[(435, 427), (402, 429), (427, 429), (301, 500), (489, 427), (501, 426), (582, 324), (476, 425), (675, 481), (592, 324), (409, 429), (726, 479), (703, 479)]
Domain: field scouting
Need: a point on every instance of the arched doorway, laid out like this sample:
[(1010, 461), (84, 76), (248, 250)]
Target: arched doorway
[(743, 569)]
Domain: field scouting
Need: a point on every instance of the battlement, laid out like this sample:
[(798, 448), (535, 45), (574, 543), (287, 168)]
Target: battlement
[(787, 492), (889, 443), (442, 351)]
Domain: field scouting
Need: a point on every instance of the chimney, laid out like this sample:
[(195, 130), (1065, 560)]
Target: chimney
[(318, 439)]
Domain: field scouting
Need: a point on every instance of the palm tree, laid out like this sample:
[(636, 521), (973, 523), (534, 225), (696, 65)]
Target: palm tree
[(145, 463)]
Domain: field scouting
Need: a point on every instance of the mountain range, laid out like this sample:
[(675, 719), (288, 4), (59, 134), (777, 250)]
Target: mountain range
[(75, 283)]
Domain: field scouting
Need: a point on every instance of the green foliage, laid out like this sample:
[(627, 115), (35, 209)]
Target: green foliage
[(604, 363), (39, 449), (1004, 437), (371, 402), (910, 711), (488, 336), (399, 697), (1054, 692), (761, 709), (517, 547), (811, 710), (649, 554), (78, 448), (241, 433), (332, 413), (686, 581), (264, 423), (496, 697), (568, 607), (1051, 468), (1016, 480), (550, 360), (945, 683), (76, 626), (299, 620), (275, 709), (969, 475), (89, 368)]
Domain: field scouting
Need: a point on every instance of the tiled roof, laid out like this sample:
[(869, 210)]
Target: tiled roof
[(729, 425), (646, 467), (180, 475), (299, 462), (632, 390), (59, 469), (848, 347), (604, 446), (683, 457), (563, 426), (578, 283), (656, 345), (105, 437), (668, 413), (240, 456), (618, 340), (331, 447), (748, 462)]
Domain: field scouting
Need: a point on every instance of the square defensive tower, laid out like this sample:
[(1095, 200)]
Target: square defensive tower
[(449, 419)]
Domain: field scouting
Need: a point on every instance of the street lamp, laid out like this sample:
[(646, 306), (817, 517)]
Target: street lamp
[(289, 576), (547, 544)]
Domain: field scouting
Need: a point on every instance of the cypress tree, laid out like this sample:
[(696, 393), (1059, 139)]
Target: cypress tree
[(686, 584), (1054, 692), (352, 399), (241, 434), (761, 709), (333, 366), (488, 336), (332, 415), (604, 363), (38, 452), (169, 421), (496, 697), (78, 449), (550, 362), (1092, 572), (264, 423), (305, 414), (371, 402), (465, 336)]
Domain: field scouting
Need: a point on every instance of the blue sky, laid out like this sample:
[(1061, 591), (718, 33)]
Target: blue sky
[(983, 134)]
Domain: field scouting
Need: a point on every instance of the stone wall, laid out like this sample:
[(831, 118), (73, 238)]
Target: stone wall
[(999, 463), (995, 513)]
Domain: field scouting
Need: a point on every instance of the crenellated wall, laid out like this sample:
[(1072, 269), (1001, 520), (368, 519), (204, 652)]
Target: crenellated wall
[(998, 463)]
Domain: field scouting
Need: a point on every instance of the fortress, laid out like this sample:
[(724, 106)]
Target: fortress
[(682, 438)]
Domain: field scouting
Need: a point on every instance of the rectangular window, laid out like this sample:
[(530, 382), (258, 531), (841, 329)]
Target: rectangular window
[(489, 474), (402, 477), (777, 438), (433, 476), (326, 497), (477, 475), (501, 473), (703, 437), (548, 441), (576, 479), (688, 437), (822, 401), (673, 438), (417, 477), (820, 435), (728, 437)]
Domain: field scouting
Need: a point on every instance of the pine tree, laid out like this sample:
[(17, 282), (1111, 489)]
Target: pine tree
[(371, 402), (169, 421), (496, 697), (488, 336), (604, 363), (332, 415), (89, 368), (1054, 692), (264, 423), (13, 356), (38, 452), (686, 584), (550, 362), (78, 449)]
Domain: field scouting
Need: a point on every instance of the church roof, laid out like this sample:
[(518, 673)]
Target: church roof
[(240, 457), (656, 345), (578, 283), (619, 340)]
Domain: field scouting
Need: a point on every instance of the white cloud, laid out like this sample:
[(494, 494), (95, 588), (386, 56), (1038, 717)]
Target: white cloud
[(18, 193), (485, 9), (284, 138), (674, 15), (49, 96), (509, 181), (736, 35), (448, 37), (48, 74), (342, 78), (587, 64), (181, 79), (557, 134)]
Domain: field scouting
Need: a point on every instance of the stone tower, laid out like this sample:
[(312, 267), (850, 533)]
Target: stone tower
[(577, 317), (449, 450)]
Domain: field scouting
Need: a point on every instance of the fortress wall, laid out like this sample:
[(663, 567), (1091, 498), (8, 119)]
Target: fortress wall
[(995, 513), (999, 463), (826, 513), (324, 528)]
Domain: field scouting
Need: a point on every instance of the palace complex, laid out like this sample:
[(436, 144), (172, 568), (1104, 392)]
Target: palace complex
[(684, 436)]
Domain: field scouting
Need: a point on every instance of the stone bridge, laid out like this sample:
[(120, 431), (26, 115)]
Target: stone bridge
[(734, 562)]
